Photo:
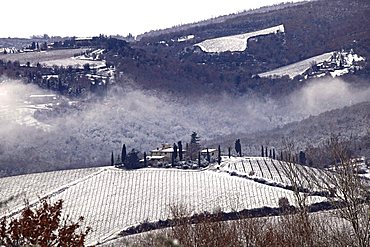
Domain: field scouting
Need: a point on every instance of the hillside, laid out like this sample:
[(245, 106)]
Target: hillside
[(113, 200), (174, 64), (173, 60), (349, 122)]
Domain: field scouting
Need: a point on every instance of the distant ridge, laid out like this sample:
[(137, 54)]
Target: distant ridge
[(218, 19)]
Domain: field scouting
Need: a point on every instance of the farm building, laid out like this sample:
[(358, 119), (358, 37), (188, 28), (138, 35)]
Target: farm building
[(154, 160), (212, 152), (166, 150)]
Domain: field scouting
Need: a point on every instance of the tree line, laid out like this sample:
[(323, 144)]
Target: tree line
[(193, 153)]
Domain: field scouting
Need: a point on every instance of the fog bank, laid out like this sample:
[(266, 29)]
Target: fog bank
[(84, 135)]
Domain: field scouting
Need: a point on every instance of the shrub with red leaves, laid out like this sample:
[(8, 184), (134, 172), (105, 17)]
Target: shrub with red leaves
[(42, 227)]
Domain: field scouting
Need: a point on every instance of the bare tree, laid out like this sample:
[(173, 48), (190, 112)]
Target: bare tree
[(349, 191), (346, 191)]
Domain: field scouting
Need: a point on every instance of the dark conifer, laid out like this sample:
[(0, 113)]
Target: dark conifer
[(132, 160), (173, 160), (219, 155), (194, 146), (238, 147), (208, 156), (123, 154), (199, 163), (112, 159), (229, 149), (302, 158), (180, 150), (174, 151), (262, 151), (145, 161), (187, 150)]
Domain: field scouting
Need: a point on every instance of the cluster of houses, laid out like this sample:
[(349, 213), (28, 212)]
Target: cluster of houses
[(163, 155), (340, 63)]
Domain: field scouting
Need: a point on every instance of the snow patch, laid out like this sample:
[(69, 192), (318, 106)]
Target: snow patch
[(235, 42)]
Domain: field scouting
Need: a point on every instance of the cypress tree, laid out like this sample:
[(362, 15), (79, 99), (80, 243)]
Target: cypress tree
[(132, 161), (266, 154), (174, 154), (123, 154), (199, 159), (273, 154), (118, 160), (229, 149), (208, 156), (270, 156), (187, 150), (262, 152), (302, 158), (112, 159), (173, 160), (281, 155), (180, 150), (238, 147), (145, 162), (219, 155), (194, 146)]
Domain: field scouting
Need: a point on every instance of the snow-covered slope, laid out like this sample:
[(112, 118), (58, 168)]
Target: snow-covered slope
[(62, 57), (235, 42), (112, 199), (298, 68), (334, 63), (275, 172)]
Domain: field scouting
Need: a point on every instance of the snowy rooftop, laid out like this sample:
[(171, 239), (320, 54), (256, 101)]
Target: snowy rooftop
[(165, 150), (155, 157)]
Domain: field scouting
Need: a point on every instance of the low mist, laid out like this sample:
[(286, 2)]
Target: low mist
[(86, 134), (327, 94)]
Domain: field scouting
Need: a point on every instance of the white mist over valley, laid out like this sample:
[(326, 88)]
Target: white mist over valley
[(54, 132)]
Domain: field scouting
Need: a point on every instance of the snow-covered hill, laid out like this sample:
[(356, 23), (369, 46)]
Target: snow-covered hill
[(112, 199)]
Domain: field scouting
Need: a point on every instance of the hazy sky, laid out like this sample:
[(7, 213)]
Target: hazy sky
[(23, 18)]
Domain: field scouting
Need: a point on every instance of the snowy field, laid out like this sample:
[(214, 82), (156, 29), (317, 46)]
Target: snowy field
[(112, 199), (63, 57), (275, 172), (235, 42), (298, 68), (35, 57), (31, 187)]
